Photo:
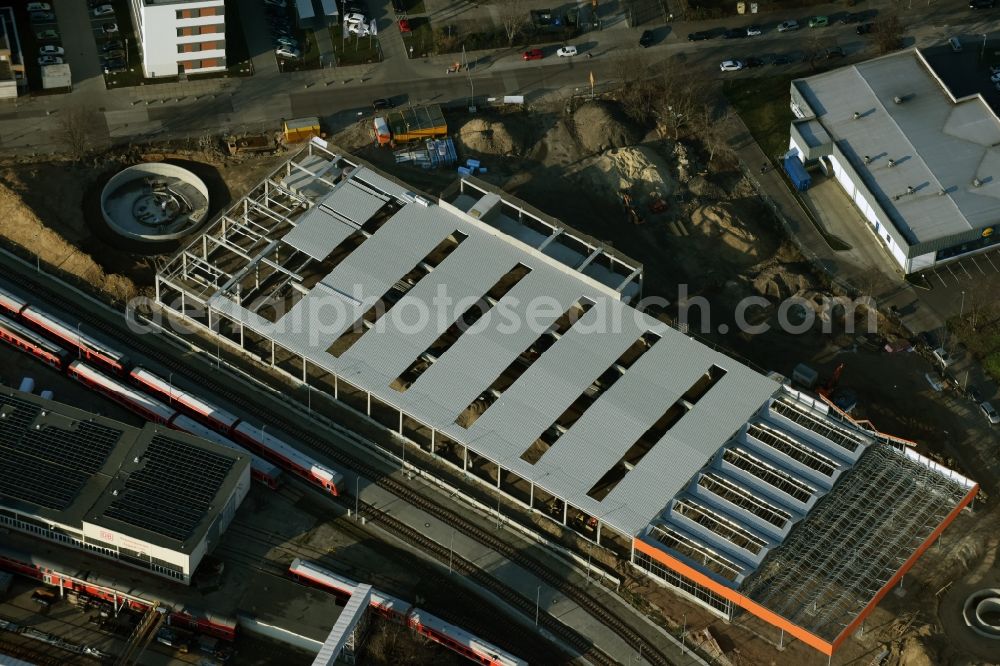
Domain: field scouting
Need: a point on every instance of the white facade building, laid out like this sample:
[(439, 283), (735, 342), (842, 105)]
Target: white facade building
[(919, 164), (181, 36)]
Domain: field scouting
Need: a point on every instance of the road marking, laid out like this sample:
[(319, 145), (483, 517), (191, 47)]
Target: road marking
[(948, 266), (991, 263), (962, 266), (938, 275), (976, 264)]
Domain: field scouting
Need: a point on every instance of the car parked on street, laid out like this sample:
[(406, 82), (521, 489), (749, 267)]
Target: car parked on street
[(286, 52), (42, 17), (114, 55), (382, 103), (754, 31), (975, 395), (990, 413), (944, 359), (700, 36), (566, 51), (934, 381), (864, 28), (735, 33), (731, 65), (114, 66), (103, 10), (532, 54), (753, 62), (834, 52), (788, 26), (276, 3), (50, 49), (39, 7), (50, 60), (109, 28), (286, 41), (355, 18), (981, 4), (819, 21), (646, 39), (995, 78), (781, 59), (112, 45), (49, 33), (851, 17)]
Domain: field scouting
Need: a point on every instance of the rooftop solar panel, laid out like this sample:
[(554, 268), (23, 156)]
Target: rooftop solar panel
[(172, 490), (47, 461)]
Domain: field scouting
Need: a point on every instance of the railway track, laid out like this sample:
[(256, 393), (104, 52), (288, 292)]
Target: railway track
[(288, 423)]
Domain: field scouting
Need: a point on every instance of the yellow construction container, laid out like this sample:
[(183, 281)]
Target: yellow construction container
[(414, 123), (300, 129)]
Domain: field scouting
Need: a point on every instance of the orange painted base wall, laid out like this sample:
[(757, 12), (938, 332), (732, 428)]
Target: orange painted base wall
[(807, 637)]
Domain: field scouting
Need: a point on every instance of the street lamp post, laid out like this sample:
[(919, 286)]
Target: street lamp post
[(684, 631), (357, 496), (982, 52), (961, 309)]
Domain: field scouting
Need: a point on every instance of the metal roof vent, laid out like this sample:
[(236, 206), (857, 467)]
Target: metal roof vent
[(856, 115), (136, 460), (976, 182), (941, 193), (868, 160), (910, 189), (115, 493), (892, 163), (897, 99)]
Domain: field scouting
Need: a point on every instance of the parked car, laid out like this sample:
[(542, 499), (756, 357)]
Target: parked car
[(735, 33), (819, 21), (404, 26), (276, 3), (109, 28), (44, 596), (754, 31), (50, 60), (42, 17), (566, 51), (731, 65), (834, 52), (355, 18), (47, 34), (286, 41), (112, 45), (115, 65), (943, 358), (934, 381), (646, 38), (382, 103), (753, 62), (286, 52), (995, 78), (114, 55), (851, 17), (39, 7), (532, 54), (781, 59), (994, 69), (50, 49), (864, 28), (990, 413), (788, 26), (103, 10), (975, 395), (981, 4), (359, 29), (699, 36)]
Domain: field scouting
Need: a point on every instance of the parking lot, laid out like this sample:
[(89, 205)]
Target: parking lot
[(972, 268)]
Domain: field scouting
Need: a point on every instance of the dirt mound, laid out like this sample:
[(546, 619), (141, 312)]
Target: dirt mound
[(780, 282), (638, 170), (22, 227), (720, 223), (601, 126), (702, 187), (489, 137)]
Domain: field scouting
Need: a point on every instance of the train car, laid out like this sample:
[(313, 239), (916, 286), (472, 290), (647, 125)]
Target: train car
[(384, 604), (260, 469), (150, 408), (214, 416), (10, 303), (27, 340), (459, 640), (259, 441), (88, 347)]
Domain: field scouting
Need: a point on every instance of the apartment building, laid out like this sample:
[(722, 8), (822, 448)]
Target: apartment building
[(181, 36)]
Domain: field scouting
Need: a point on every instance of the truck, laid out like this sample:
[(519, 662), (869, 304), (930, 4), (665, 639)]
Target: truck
[(412, 123), (297, 130), (797, 173)]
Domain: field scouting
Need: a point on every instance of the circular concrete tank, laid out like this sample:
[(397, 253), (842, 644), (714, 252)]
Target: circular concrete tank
[(982, 613), (154, 201)]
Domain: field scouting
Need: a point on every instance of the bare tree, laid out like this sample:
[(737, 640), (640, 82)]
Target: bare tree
[(888, 32), (639, 89), (681, 97), (73, 132), (513, 18)]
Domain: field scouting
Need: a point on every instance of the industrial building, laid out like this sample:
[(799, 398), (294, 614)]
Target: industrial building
[(180, 36), (504, 342), (149, 497), (921, 166)]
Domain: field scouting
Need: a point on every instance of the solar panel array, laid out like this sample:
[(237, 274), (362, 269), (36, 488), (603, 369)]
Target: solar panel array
[(48, 465), (173, 490)]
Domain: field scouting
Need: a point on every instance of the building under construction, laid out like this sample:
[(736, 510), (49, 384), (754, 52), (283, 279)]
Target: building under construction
[(539, 378)]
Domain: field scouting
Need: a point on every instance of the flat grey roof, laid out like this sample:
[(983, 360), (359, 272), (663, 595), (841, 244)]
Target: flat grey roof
[(937, 144), (70, 466), (556, 380)]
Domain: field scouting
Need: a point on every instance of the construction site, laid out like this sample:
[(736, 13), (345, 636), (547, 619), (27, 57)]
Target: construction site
[(624, 212)]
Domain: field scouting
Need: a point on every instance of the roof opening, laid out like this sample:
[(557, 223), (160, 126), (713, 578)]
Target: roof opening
[(371, 317), (520, 365), (590, 395), (744, 499), (467, 320)]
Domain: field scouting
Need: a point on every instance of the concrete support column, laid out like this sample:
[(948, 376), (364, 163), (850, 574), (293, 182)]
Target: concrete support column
[(433, 438)]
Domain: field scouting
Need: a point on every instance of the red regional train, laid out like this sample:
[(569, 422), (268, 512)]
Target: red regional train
[(88, 348), (421, 621)]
